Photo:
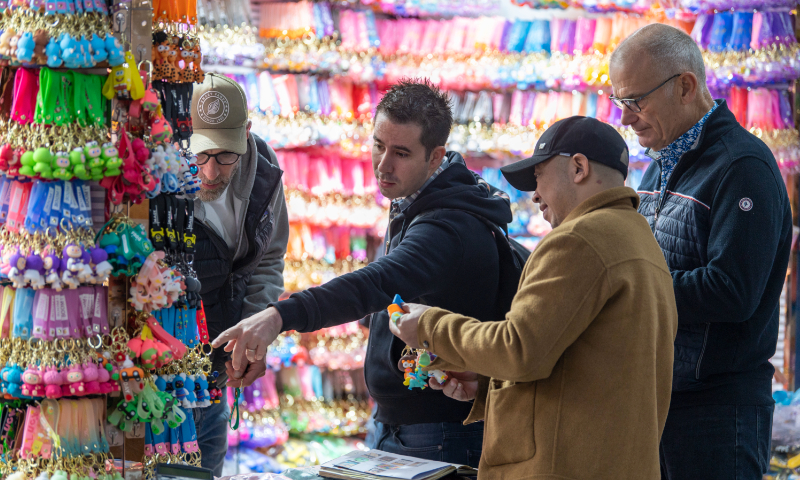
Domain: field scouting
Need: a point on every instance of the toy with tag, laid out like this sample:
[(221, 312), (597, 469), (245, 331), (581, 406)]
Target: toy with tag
[(124, 81), (110, 156), (98, 49), (17, 272), (198, 74), (34, 271), (425, 361), (5, 42), (407, 364), (40, 40), (25, 47), (74, 377), (52, 264), (77, 158), (94, 162), (27, 164), (53, 52), (53, 381), (61, 166), (102, 268), (32, 385), (71, 264), (116, 56), (70, 51)]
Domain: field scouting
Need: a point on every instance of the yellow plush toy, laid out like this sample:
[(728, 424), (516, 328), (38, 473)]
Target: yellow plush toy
[(124, 80)]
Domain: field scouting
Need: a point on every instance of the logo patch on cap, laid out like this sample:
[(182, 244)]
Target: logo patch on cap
[(541, 146), (213, 107), (746, 204)]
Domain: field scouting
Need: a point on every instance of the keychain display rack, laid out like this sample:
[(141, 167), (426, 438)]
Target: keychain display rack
[(103, 343)]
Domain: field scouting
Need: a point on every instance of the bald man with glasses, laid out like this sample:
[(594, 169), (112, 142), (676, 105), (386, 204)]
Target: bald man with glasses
[(718, 207)]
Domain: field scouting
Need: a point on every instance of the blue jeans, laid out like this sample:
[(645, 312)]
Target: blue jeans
[(212, 433), (711, 442), (443, 442)]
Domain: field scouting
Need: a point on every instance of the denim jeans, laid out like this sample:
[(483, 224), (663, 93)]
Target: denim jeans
[(711, 442), (212, 433), (443, 442)]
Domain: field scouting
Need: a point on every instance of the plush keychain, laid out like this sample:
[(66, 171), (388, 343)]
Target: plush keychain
[(71, 264), (62, 167), (17, 272), (34, 271), (41, 40)]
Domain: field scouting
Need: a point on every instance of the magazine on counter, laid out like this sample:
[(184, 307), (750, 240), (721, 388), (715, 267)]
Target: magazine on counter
[(378, 465)]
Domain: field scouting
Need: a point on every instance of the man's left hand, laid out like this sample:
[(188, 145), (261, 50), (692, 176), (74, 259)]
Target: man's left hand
[(240, 379), (406, 326)]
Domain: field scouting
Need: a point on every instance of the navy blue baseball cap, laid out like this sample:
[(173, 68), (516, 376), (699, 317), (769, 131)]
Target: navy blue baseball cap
[(598, 141)]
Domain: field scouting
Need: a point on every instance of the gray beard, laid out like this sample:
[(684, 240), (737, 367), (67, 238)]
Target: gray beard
[(210, 196)]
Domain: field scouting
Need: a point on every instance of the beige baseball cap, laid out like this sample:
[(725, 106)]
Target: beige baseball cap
[(219, 115)]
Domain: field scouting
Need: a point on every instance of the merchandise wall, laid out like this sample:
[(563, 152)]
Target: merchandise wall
[(104, 344), (103, 340), (314, 73)]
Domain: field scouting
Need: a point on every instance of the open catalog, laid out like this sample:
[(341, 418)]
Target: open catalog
[(378, 465)]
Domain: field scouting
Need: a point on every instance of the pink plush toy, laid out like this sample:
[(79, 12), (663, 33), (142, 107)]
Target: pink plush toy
[(91, 374), (53, 382), (32, 382), (75, 381)]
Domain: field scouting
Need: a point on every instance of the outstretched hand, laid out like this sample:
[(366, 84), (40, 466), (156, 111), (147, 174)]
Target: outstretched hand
[(249, 339)]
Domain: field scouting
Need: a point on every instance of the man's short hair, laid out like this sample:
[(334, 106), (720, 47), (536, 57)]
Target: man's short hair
[(671, 50), (422, 103)]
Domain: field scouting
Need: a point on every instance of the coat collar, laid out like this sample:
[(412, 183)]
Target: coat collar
[(613, 197)]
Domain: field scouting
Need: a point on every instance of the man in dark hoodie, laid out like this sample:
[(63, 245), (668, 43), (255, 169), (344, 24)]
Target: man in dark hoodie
[(446, 258)]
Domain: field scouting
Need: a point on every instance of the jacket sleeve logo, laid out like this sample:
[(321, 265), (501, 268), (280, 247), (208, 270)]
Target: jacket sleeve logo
[(746, 204)]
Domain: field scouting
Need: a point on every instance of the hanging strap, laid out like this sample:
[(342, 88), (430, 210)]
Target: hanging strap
[(6, 312)]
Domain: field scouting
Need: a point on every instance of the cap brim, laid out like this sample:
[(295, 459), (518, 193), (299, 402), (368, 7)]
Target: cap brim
[(520, 174), (229, 139)]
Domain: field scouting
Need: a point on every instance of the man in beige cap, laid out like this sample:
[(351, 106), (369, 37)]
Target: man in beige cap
[(242, 231)]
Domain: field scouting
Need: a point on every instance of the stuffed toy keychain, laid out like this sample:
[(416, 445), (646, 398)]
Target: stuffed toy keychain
[(412, 361)]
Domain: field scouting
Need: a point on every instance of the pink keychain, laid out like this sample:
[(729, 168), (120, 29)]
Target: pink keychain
[(26, 89), (100, 311), (53, 381), (41, 314), (86, 298)]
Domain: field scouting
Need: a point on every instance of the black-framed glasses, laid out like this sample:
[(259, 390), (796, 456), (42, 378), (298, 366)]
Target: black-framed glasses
[(633, 103), (222, 158)]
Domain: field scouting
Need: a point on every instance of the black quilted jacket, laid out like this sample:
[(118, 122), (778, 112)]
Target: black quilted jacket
[(724, 224)]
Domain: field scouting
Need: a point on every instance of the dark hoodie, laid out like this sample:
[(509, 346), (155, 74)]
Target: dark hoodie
[(447, 259)]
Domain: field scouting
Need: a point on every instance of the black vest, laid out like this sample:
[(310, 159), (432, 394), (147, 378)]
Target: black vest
[(224, 282)]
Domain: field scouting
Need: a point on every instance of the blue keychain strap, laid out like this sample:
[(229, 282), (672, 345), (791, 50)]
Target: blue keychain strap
[(55, 209), (188, 432), (180, 330), (168, 321), (174, 439), (47, 208), (37, 205), (84, 204), (193, 332), (23, 313), (66, 201)]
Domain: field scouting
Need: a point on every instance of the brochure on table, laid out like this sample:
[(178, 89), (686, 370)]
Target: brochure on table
[(378, 463)]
